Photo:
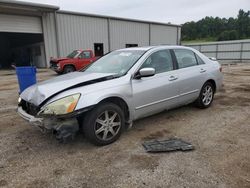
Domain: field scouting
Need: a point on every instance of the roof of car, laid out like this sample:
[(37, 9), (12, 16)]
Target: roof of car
[(145, 48)]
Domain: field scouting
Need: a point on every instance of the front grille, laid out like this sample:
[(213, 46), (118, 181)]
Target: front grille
[(53, 64), (29, 108)]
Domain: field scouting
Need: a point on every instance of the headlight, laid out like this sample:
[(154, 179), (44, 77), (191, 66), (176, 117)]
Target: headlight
[(19, 100), (62, 106)]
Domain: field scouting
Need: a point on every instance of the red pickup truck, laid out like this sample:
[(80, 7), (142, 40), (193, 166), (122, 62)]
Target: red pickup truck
[(75, 61)]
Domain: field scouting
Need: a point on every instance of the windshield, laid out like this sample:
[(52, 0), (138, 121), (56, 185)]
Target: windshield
[(73, 54), (118, 62)]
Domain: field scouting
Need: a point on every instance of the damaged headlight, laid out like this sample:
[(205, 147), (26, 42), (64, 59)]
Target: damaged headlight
[(19, 100), (61, 106)]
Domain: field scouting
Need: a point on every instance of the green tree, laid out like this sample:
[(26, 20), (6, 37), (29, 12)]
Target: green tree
[(243, 23), (218, 28)]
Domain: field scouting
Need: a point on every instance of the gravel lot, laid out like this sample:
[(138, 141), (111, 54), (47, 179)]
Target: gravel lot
[(220, 135)]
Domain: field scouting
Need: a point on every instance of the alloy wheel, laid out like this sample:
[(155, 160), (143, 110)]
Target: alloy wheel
[(207, 95), (107, 125)]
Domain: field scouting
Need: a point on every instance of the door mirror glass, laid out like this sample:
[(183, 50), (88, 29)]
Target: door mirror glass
[(145, 72), (213, 58)]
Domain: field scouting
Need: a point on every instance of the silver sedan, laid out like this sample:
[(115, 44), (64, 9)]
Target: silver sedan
[(122, 86)]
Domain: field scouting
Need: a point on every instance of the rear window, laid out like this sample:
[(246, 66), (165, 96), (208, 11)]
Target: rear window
[(185, 58), (200, 61)]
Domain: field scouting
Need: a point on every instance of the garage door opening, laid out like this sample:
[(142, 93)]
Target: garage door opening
[(21, 49)]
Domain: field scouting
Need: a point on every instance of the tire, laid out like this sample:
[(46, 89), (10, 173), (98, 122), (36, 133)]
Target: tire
[(206, 96), (68, 69), (59, 73), (104, 124)]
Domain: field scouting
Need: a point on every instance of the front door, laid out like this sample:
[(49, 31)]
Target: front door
[(159, 92), (84, 59)]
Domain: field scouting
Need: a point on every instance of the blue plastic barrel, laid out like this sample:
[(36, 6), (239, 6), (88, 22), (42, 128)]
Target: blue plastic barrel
[(26, 77)]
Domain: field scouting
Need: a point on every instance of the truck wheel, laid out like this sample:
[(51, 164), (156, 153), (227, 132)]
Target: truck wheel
[(68, 69), (206, 96), (59, 73), (104, 124)]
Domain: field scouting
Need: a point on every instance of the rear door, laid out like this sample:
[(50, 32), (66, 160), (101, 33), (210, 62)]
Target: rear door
[(159, 92), (192, 74)]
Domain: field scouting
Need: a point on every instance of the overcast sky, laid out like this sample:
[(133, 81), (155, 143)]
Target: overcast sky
[(174, 11)]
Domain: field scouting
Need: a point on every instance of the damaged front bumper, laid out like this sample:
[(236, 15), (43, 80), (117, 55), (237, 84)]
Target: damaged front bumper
[(63, 128)]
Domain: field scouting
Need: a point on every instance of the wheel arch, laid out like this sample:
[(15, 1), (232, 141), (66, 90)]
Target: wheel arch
[(119, 102), (68, 64), (213, 83)]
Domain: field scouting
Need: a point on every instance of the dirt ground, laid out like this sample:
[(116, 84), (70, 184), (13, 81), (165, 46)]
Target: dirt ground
[(220, 134)]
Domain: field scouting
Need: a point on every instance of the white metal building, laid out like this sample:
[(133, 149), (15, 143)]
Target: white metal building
[(32, 33)]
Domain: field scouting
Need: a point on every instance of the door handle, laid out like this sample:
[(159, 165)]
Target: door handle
[(202, 70), (172, 78)]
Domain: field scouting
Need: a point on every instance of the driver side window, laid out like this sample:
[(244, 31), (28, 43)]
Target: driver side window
[(161, 61), (84, 55)]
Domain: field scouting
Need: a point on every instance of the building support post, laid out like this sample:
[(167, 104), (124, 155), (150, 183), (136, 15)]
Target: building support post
[(177, 40), (57, 35), (216, 51), (149, 37), (241, 51), (109, 39)]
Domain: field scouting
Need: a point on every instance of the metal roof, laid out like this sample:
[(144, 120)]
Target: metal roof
[(13, 4), (116, 18), (21, 4)]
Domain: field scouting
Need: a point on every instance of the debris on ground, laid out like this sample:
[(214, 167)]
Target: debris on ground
[(173, 144)]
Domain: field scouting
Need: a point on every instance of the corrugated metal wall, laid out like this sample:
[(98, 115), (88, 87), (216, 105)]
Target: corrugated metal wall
[(81, 32), (227, 50), (127, 32), (19, 23), (65, 31), (162, 34), (49, 35)]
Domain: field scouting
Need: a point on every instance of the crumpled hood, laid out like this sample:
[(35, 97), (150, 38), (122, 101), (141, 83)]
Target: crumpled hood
[(59, 59), (37, 93)]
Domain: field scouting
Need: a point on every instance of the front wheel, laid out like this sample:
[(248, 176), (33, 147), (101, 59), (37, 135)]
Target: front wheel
[(206, 96), (104, 124), (68, 69)]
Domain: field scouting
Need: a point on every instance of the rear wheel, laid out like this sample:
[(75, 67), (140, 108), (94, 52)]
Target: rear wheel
[(206, 96), (104, 124), (68, 69)]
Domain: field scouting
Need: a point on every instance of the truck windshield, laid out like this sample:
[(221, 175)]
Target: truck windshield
[(118, 62), (73, 54)]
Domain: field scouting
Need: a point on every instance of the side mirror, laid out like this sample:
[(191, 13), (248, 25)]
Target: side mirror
[(145, 72), (213, 58)]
